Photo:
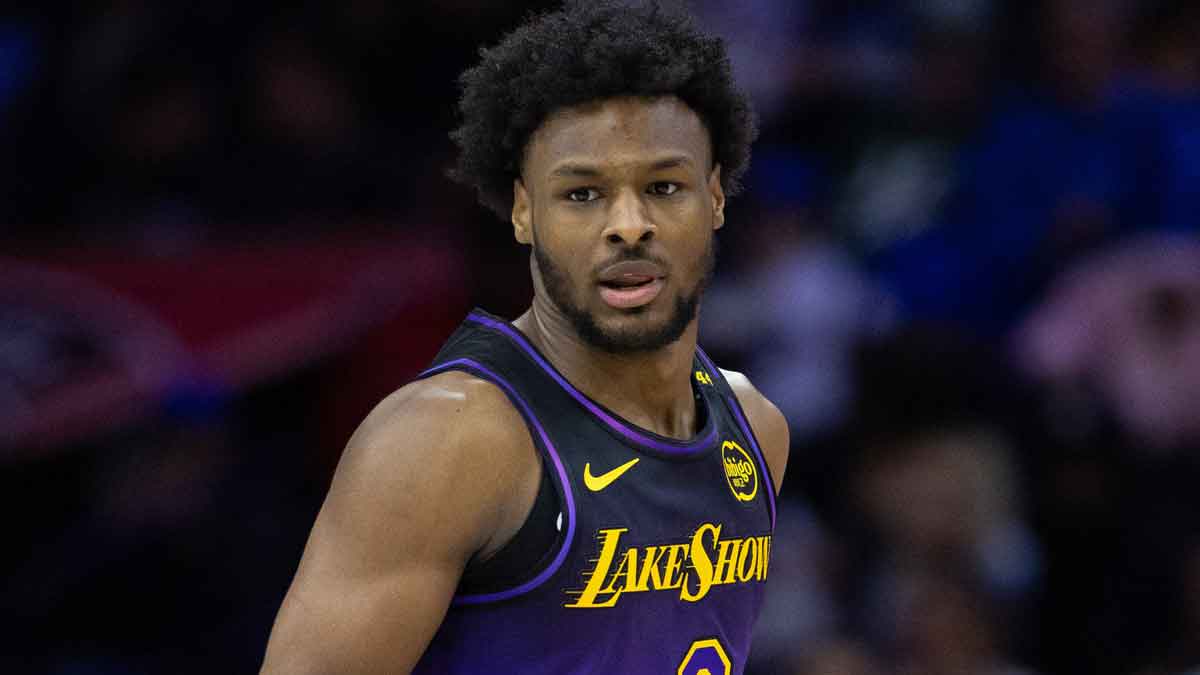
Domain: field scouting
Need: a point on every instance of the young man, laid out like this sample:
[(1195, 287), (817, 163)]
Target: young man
[(579, 490)]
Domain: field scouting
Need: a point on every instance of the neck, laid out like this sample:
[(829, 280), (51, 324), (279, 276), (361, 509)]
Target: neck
[(650, 389)]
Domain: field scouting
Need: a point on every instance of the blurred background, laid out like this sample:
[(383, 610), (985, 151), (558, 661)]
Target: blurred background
[(966, 267)]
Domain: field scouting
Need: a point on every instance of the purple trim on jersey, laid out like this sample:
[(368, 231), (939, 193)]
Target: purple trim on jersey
[(613, 423), (736, 407), (562, 477)]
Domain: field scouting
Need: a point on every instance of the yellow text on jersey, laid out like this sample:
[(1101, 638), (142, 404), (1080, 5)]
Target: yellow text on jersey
[(691, 567)]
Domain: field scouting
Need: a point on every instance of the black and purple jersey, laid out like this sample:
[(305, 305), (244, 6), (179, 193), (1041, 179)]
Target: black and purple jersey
[(661, 548)]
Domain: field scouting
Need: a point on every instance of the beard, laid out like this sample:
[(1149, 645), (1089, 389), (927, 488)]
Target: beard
[(638, 339)]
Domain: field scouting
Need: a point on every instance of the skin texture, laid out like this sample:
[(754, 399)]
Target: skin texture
[(444, 470)]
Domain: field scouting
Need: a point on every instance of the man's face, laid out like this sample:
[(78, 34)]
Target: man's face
[(620, 200)]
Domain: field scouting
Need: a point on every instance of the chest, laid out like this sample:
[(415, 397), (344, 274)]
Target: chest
[(661, 529)]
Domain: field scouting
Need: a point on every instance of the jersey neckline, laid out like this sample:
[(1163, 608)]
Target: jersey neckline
[(627, 431)]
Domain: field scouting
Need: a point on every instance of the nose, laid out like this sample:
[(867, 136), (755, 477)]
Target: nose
[(628, 221)]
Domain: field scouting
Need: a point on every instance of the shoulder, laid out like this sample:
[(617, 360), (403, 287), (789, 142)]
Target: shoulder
[(767, 423), (429, 480), (452, 442), (468, 420), (441, 405)]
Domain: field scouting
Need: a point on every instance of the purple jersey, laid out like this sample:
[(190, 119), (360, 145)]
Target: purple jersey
[(664, 545)]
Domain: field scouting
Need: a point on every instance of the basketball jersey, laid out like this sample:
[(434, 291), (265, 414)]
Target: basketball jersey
[(663, 545)]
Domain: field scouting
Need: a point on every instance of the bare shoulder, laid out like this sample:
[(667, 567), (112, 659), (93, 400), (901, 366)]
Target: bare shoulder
[(434, 475), (461, 412), (445, 438), (767, 423)]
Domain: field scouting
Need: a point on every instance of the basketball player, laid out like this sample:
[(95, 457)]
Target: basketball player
[(580, 490)]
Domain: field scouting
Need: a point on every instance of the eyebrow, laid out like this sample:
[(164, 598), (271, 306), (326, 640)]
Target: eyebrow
[(671, 163), (572, 169)]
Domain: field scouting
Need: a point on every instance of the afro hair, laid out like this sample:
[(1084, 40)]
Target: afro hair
[(588, 51)]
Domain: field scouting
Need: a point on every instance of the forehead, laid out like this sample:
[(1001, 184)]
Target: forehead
[(620, 131)]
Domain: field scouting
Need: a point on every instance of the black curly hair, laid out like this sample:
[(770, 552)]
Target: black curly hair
[(592, 50)]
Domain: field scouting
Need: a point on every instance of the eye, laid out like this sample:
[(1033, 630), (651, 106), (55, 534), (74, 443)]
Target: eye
[(663, 188), (583, 195)]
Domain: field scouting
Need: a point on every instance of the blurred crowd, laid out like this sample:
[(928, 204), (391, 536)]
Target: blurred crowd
[(966, 267)]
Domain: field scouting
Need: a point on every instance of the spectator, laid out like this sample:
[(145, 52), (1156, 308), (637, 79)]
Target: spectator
[(1046, 179)]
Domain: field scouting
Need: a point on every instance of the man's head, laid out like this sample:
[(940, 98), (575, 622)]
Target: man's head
[(610, 134)]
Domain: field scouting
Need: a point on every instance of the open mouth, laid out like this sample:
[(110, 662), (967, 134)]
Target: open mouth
[(630, 291), (627, 282)]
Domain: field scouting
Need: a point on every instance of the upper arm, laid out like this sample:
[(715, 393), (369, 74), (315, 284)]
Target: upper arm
[(421, 487), (768, 424)]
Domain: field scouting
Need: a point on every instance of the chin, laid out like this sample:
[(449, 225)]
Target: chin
[(636, 330)]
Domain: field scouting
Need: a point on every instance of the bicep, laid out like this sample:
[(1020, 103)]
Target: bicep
[(350, 609), (407, 508)]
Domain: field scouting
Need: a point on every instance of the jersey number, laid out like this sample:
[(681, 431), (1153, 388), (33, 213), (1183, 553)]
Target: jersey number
[(706, 657)]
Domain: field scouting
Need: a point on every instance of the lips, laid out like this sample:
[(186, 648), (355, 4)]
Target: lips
[(631, 283)]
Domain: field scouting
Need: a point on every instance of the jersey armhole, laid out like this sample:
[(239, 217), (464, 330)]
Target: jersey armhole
[(548, 562), (739, 414), (528, 551)]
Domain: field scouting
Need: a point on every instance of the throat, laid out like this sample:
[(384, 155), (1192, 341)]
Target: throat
[(653, 390), (678, 416)]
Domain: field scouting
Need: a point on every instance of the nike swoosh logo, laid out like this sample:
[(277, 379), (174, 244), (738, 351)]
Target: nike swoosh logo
[(598, 483)]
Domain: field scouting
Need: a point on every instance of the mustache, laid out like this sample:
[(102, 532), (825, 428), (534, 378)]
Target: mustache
[(636, 253)]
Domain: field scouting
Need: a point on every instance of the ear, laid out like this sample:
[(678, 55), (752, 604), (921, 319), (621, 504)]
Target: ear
[(718, 197), (522, 213)]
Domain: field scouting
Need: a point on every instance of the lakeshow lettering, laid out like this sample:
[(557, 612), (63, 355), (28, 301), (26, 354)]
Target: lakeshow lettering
[(692, 567)]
